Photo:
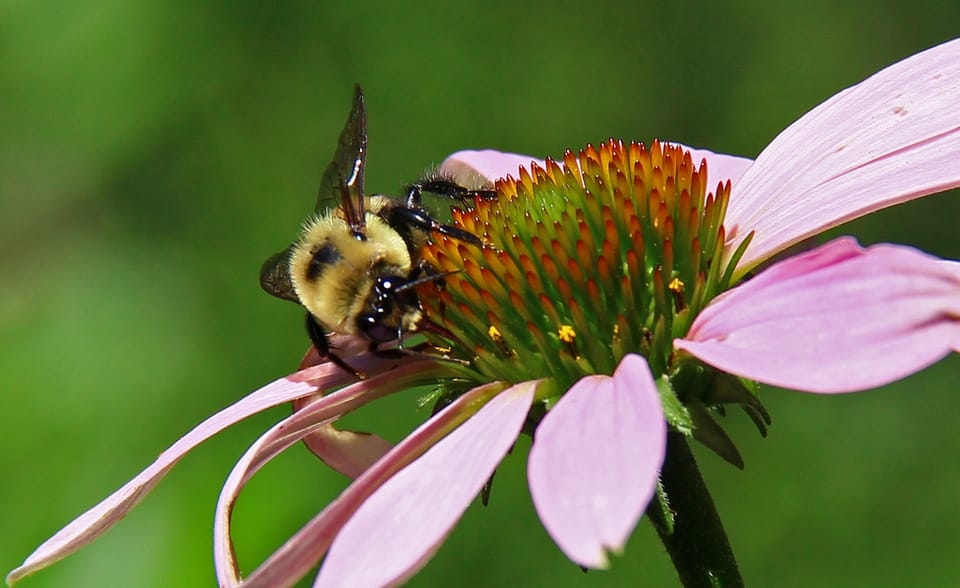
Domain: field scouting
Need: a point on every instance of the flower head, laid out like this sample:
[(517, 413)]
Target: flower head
[(613, 252), (613, 300)]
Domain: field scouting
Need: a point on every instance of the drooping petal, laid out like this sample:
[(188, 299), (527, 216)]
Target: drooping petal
[(595, 460), (348, 452), (399, 527), (306, 547), (889, 139), (316, 415), (840, 318), (954, 267), (479, 167), (96, 521)]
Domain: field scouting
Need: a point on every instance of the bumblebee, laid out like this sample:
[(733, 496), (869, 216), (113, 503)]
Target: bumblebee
[(357, 262)]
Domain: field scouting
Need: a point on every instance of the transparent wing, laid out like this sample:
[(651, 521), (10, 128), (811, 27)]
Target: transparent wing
[(342, 181), (275, 276)]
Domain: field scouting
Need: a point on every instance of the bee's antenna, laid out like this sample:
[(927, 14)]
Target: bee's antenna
[(424, 280)]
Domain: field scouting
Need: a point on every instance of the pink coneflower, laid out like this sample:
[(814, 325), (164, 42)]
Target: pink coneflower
[(610, 309)]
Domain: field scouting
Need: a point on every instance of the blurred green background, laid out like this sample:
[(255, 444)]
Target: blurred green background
[(155, 153)]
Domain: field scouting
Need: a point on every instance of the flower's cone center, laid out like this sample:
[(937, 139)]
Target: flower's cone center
[(612, 252)]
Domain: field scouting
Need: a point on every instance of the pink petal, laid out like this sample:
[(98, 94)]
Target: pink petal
[(316, 415), (475, 168), (889, 139), (839, 318), (595, 461), (399, 527), (96, 521)]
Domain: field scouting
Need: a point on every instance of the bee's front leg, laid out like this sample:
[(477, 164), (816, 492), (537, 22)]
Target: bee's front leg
[(319, 339)]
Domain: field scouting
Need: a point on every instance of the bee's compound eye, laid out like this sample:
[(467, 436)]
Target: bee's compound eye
[(394, 291)]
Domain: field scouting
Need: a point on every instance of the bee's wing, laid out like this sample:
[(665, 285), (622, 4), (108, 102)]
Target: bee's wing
[(275, 276), (342, 181)]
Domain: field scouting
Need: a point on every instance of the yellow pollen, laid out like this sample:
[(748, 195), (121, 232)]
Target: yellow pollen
[(675, 285), (495, 334), (567, 334)]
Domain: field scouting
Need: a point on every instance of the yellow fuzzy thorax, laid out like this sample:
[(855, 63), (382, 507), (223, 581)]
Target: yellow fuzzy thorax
[(335, 295)]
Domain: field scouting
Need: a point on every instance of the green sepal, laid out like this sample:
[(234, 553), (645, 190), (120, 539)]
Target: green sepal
[(659, 512), (709, 433), (692, 380), (730, 389), (695, 381), (441, 396), (676, 414)]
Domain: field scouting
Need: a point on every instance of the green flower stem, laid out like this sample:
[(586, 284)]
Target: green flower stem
[(698, 546)]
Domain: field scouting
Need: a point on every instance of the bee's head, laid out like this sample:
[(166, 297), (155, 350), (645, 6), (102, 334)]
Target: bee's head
[(391, 307)]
